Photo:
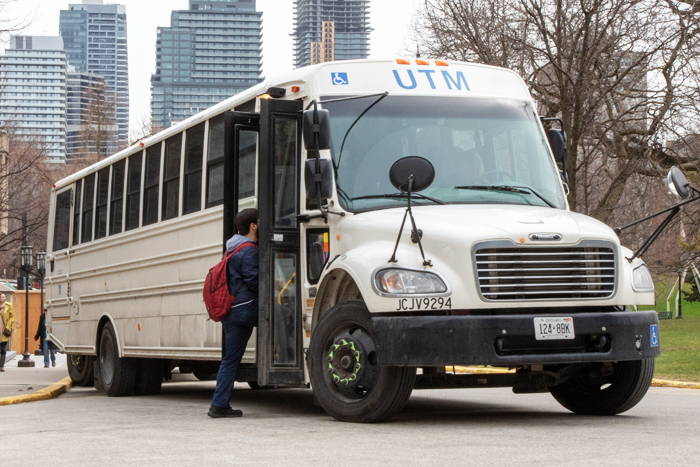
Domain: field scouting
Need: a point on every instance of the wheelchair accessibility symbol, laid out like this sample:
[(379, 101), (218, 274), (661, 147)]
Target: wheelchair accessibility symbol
[(340, 78), (654, 335)]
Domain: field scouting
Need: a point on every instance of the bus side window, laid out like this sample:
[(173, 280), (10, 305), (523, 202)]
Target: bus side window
[(215, 162), (192, 186), (117, 197), (171, 176), (88, 201), (133, 191), (76, 212), (61, 225), (150, 189), (102, 198)]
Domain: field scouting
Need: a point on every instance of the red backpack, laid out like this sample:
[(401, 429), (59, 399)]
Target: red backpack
[(217, 297)]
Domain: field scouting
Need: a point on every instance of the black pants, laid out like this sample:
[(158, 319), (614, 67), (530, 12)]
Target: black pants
[(3, 347)]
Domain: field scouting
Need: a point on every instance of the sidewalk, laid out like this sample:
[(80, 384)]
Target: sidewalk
[(20, 381)]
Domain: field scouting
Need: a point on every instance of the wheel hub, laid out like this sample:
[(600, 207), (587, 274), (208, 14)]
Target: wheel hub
[(349, 370)]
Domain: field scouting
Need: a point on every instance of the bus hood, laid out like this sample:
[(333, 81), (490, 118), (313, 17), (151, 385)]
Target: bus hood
[(468, 224)]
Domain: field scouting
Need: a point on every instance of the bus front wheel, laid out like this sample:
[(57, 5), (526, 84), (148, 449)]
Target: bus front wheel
[(606, 388), (118, 374), (80, 370), (345, 377)]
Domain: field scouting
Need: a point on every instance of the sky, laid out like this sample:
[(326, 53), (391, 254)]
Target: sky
[(390, 20)]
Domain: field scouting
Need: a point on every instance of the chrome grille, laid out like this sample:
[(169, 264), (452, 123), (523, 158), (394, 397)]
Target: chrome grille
[(506, 272)]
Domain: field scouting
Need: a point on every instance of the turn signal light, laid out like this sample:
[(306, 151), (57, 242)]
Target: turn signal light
[(295, 88), (403, 61), (441, 63)]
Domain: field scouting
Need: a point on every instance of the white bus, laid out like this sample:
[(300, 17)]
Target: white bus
[(491, 267)]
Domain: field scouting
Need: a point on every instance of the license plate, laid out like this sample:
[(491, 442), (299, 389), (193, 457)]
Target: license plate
[(554, 328)]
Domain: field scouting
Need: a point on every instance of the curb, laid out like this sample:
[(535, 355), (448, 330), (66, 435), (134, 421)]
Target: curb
[(657, 383), (49, 392)]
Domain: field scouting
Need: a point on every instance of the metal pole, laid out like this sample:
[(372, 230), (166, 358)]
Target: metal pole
[(681, 274), (26, 361)]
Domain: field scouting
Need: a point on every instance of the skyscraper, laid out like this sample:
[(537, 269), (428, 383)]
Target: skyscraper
[(330, 30), (33, 92), (94, 35), (88, 122), (209, 53)]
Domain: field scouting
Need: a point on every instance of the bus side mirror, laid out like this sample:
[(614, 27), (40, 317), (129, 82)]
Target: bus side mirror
[(325, 177), (557, 141), (322, 128)]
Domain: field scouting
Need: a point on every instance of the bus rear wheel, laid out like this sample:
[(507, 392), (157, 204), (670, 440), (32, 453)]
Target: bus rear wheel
[(118, 374), (606, 388), (149, 376), (80, 370), (345, 377)]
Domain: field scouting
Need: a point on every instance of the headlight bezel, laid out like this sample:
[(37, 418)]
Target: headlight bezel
[(642, 289), (381, 293)]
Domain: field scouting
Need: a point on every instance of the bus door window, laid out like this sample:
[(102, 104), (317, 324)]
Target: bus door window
[(285, 172), (247, 169), (215, 162), (317, 253), (88, 201), (76, 212), (284, 317)]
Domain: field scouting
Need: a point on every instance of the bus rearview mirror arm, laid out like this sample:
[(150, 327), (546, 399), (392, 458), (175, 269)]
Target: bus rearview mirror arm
[(681, 188)]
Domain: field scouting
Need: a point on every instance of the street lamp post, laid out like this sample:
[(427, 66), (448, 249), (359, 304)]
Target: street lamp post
[(26, 264), (681, 275)]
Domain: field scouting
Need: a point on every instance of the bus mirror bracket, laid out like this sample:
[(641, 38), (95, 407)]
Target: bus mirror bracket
[(681, 188), (409, 175)]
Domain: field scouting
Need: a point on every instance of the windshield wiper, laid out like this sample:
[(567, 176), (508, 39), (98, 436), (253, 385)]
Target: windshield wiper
[(512, 189), (401, 195)]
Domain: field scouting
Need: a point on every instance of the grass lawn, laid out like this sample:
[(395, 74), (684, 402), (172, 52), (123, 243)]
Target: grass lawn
[(680, 339)]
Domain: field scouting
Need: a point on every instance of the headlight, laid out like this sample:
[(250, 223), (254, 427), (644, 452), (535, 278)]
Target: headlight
[(406, 281), (641, 280)]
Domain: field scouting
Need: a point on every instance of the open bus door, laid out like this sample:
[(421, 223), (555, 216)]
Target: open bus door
[(278, 129)]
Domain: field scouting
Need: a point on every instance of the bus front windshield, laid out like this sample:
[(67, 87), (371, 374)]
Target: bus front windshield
[(484, 151)]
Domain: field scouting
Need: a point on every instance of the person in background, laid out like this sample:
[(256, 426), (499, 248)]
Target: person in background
[(46, 346), (243, 274), (6, 319)]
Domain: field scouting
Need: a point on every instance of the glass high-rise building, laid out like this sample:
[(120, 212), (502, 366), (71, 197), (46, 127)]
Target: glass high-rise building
[(33, 82), (209, 53), (87, 122), (330, 30), (94, 35)]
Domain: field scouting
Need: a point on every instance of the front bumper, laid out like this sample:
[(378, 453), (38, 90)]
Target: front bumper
[(510, 339)]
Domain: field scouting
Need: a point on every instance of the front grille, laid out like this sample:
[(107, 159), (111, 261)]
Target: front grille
[(510, 273)]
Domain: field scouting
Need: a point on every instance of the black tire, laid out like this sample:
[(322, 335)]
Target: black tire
[(203, 374), (149, 376), (80, 370), (345, 377), (118, 374), (595, 391)]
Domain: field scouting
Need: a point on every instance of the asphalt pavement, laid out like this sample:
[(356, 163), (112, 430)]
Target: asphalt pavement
[(283, 427)]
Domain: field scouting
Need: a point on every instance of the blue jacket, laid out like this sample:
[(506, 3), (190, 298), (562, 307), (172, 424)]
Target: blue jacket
[(243, 270)]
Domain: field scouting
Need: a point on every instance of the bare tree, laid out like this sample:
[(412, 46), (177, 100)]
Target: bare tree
[(622, 74), (144, 128), (98, 128)]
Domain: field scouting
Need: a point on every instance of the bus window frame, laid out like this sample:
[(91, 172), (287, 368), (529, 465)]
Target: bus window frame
[(111, 199), (217, 161), (178, 177), (70, 218), (106, 203), (79, 206), (205, 153), (186, 174)]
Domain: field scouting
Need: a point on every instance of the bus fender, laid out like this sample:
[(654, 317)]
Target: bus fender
[(106, 317), (338, 284)]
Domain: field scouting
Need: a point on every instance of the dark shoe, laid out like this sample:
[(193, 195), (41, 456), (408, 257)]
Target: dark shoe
[(46, 366), (53, 363), (223, 412)]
